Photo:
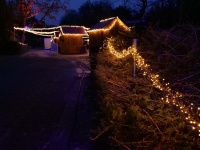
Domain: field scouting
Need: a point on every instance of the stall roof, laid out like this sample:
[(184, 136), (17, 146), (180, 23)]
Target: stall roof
[(73, 30)]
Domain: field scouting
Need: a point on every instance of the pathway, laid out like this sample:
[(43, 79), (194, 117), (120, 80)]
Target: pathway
[(44, 103)]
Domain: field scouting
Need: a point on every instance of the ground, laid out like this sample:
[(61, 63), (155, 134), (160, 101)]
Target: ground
[(44, 103)]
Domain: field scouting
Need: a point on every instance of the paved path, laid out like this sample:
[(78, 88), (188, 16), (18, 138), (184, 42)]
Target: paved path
[(43, 102)]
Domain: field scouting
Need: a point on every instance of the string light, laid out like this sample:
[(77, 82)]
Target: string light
[(51, 28), (47, 31), (109, 27), (49, 34), (171, 97)]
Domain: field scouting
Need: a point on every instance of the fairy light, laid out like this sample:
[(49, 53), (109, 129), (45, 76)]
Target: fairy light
[(52, 28), (47, 31), (171, 97), (103, 20), (22, 44), (36, 32), (109, 27)]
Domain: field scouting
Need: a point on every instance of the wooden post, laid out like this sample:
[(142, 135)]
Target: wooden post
[(134, 58)]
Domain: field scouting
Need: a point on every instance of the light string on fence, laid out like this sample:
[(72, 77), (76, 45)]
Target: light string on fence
[(46, 31), (171, 97), (41, 33)]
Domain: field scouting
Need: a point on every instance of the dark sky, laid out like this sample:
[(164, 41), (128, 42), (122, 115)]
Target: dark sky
[(73, 4)]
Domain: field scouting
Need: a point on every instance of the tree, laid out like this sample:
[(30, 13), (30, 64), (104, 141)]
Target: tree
[(91, 13), (71, 18), (189, 11), (139, 6), (143, 8), (25, 9), (170, 12), (124, 13), (45, 8), (164, 12)]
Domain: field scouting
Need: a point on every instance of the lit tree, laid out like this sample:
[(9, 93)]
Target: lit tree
[(26, 9)]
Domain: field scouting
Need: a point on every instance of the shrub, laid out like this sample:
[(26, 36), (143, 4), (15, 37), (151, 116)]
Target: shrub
[(133, 114), (12, 48)]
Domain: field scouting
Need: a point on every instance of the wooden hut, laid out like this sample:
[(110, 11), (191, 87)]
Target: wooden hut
[(105, 28), (70, 39)]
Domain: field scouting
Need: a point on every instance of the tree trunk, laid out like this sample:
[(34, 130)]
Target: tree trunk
[(143, 9)]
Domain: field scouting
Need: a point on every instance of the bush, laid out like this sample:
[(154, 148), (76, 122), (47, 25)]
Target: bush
[(12, 48), (175, 54), (134, 116)]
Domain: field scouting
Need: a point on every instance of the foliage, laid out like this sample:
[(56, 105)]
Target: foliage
[(71, 18), (123, 13), (92, 12), (25, 9), (12, 48), (175, 54), (134, 117), (167, 13), (190, 11), (138, 7), (164, 14)]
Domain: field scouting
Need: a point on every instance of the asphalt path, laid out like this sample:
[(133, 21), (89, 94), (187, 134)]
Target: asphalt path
[(44, 103)]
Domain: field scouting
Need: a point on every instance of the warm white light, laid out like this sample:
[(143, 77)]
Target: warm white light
[(170, 96), (45, 31), (109, 27)]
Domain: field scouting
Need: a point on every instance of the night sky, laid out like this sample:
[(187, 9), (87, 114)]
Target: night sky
[(73, 4)]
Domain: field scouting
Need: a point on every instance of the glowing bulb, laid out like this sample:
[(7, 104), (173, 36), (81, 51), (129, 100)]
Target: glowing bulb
[(154, 78)]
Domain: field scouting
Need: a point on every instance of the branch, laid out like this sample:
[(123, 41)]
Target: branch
[(152, 121), (189, 76), (106, 129), (116, 84), (120, 143)]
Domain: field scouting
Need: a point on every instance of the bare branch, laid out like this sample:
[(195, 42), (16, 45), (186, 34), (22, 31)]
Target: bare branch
[(100, 134), (152, 120), (120, 143)]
